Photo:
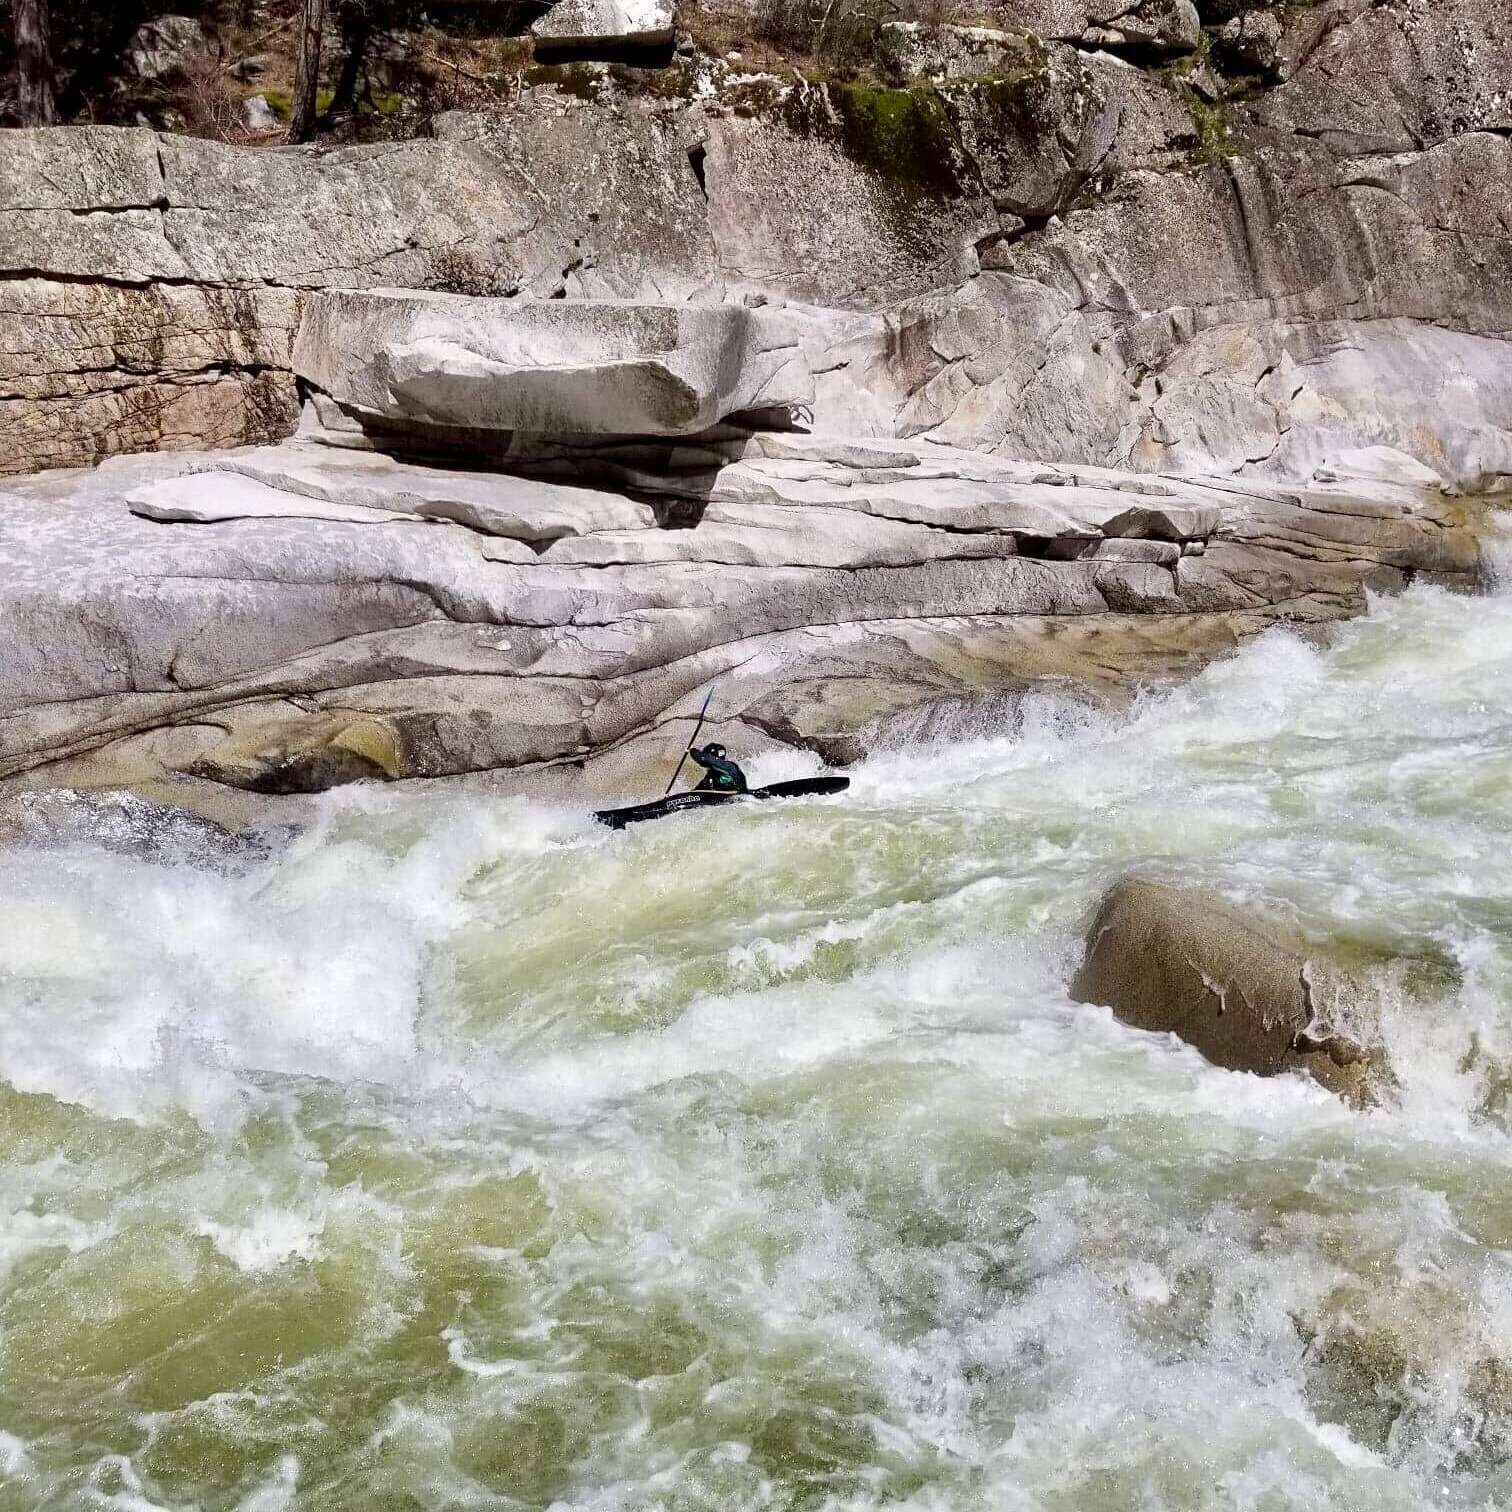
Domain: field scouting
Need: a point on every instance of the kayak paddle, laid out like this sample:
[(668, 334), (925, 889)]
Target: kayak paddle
[(702, 715)]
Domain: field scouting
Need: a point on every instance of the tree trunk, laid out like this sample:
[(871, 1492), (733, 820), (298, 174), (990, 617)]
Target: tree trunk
[(356, 32), (34, 63), (307, 75)]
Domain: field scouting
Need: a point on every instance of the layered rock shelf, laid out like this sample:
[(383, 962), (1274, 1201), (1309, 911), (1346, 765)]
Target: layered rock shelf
[(284, 618)]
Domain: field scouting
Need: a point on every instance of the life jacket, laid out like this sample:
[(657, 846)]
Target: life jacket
[(721, 775)]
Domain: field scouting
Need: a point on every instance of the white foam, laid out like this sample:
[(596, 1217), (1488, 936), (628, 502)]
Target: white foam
[(271, 1237), (757, 1035), (14, 1459), (133, 989), (129, 1495), (276, 1494), (26, 1233)]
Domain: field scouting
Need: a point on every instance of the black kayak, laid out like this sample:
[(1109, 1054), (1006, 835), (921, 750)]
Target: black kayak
[(807, 787)]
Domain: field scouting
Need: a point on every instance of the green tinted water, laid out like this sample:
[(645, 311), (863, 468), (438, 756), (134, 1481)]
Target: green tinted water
[(468, 1156)]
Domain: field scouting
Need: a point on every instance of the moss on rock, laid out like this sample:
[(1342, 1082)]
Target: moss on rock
[(902, 135)]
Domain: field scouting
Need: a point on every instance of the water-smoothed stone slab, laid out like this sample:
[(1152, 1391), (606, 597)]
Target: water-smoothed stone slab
[(498, 504), (1163, 553), (212, 498), (838, 451), (550, 367), (784, 535), (972, 494), (298, 648), (1167, 522)]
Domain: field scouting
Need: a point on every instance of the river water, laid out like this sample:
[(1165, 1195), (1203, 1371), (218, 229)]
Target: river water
[(465, 1155)]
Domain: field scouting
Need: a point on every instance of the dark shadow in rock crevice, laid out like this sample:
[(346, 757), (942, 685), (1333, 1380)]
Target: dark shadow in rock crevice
[(551, 51)]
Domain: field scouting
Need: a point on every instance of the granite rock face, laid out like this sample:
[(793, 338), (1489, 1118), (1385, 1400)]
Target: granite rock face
[(165, 46), (1291, 240), (1371, 80), (588, 23), (150, 286), (1206, 321), (913, 51)]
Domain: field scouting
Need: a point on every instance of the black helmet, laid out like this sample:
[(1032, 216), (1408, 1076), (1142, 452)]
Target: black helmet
[(715, 750)]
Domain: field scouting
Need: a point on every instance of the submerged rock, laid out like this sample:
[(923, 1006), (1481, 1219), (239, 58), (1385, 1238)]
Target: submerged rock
[(1174, 960), (129, 825)]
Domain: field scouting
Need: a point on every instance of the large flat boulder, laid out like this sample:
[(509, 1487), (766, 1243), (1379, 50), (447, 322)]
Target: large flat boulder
[(581, 24), (549, 367)]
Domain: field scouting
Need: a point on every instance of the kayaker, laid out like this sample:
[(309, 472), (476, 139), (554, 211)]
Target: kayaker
[(721, 775)]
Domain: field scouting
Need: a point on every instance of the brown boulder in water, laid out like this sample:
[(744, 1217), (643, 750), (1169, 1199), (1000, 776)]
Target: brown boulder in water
[(1174, 960)]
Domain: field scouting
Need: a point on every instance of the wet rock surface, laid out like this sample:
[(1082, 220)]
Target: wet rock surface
[(1239, 990), (127, 824)]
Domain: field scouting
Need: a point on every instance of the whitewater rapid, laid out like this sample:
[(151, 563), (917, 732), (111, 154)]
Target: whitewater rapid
[(463, 1154)]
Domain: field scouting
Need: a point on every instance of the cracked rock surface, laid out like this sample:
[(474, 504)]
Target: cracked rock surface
[(285, 618), (1086, 233)]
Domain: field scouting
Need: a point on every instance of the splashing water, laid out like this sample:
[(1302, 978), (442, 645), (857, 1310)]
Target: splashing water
[(467, 1155)]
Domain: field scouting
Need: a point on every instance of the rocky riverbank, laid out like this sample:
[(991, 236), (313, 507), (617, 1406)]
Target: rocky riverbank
[(376, 1142), (1086, 351), (284, 618)]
